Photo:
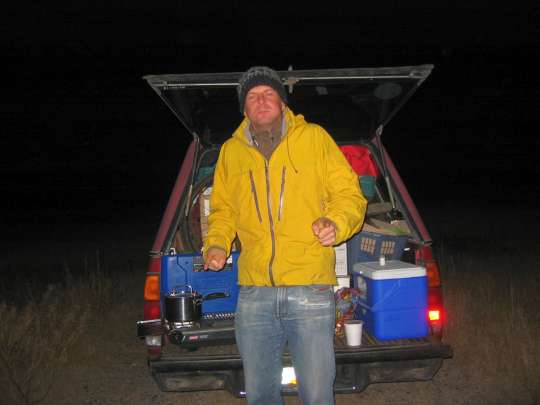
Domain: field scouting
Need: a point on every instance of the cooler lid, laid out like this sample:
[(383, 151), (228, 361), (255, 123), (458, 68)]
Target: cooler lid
[(392, 269)]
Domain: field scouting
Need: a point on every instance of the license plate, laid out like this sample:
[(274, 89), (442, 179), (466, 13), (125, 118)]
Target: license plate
[(288, 377)]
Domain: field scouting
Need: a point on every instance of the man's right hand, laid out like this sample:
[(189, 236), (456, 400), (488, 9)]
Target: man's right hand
[(215, 259)]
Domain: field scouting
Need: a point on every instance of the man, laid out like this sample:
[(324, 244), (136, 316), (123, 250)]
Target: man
[(285, 189)]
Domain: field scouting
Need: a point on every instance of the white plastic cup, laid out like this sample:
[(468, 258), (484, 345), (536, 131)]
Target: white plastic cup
[(353, 332)]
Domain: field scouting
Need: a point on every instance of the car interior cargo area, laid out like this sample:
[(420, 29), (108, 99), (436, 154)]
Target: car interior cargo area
[(386, 235)]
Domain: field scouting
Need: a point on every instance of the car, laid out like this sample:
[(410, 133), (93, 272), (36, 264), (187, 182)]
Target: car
[(188, 325)]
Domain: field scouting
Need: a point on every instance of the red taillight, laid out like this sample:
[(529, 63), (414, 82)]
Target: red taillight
[(152, 305), (432, 271), (435, 313), (152, 310), (151, 287)]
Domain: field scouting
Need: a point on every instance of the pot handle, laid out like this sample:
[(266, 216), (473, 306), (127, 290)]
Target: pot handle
[(215, 295)]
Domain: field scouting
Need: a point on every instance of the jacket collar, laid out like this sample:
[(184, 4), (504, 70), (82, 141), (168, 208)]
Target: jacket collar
[(243, 132)]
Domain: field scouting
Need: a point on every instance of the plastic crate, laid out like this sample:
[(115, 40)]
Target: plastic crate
[(187, 269), (370, 246)]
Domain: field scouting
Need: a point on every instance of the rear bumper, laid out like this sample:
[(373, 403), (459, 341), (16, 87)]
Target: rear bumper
[(355, 369)]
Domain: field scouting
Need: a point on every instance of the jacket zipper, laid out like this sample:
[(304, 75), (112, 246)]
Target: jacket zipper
[(281, 193), (254, 192), (271, 224)]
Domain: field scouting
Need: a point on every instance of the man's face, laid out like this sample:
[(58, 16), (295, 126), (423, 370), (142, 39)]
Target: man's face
[(263, 107)]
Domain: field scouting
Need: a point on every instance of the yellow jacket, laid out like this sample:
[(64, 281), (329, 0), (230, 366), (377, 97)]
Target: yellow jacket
[(271, 204)]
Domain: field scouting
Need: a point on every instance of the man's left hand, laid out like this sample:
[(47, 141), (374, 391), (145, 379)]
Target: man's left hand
[(325, 230)]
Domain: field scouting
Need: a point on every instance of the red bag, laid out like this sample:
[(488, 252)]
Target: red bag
[(360, 160)]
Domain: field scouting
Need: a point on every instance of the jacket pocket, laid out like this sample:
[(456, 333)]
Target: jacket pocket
[(254, 193)]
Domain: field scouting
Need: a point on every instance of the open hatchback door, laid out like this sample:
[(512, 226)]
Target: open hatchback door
[(350, 103)]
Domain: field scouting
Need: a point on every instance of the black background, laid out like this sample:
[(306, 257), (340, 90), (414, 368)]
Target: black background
[(83, 133)]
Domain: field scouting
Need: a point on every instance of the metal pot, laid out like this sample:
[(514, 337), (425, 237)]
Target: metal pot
[(183, 305)]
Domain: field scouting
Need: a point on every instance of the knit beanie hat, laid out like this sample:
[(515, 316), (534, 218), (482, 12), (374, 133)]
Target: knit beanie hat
[(256, 76)]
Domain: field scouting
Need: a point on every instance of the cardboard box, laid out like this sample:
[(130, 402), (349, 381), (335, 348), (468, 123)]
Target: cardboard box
[(342, 281), (341, 260), (204, 205), (397, 227), (367, 227)]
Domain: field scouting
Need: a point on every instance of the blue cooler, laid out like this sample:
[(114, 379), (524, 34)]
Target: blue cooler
[(393, 299), (188, 269)]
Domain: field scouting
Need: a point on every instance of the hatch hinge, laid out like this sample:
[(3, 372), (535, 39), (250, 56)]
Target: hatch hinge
[(290, 81)]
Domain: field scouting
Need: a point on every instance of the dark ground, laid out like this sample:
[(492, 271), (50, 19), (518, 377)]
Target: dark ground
[(109, 367)]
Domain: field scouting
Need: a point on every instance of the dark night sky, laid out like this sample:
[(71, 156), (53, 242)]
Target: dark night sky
[(79, 124)]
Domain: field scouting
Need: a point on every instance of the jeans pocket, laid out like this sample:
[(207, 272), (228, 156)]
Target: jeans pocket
[(319, 288), (317, 296)]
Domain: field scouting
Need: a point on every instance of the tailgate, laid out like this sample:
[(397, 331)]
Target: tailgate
[(371, 348), (219, 367)]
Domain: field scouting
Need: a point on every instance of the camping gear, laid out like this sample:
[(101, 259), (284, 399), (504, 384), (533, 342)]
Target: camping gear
[(392, 299), (188, 269), (183, 305)]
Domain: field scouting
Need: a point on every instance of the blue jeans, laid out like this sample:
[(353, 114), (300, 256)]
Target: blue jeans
[(303, 317)]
